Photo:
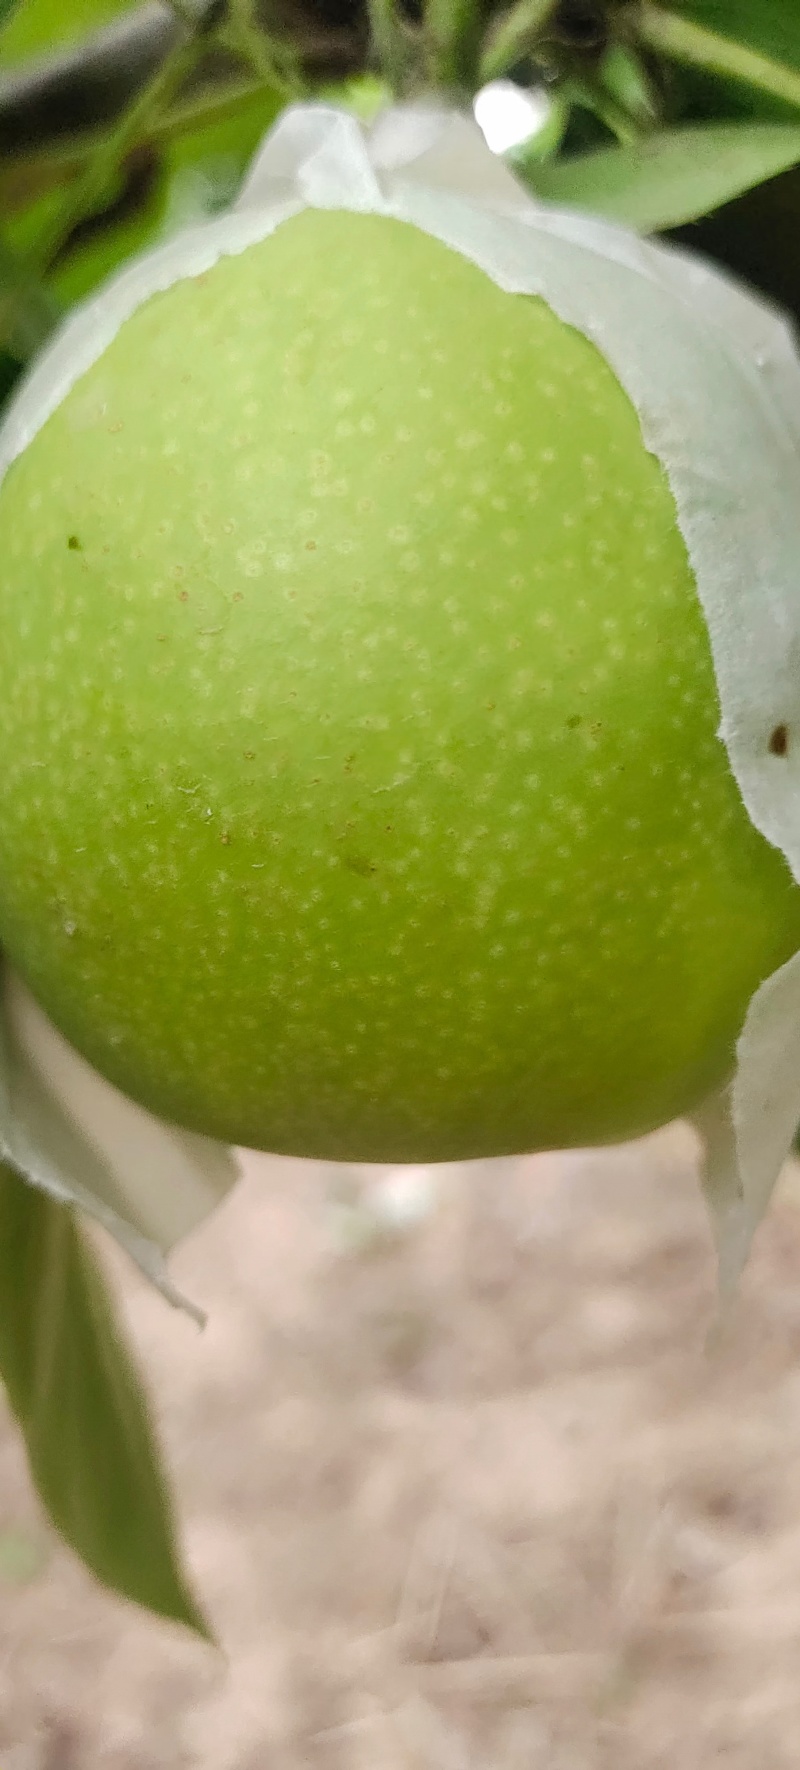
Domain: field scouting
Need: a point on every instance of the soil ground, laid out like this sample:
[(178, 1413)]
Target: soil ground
[(479, 1499)]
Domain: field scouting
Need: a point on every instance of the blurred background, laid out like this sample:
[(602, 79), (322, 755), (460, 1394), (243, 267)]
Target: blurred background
[(469, 1473), (469, 1493)]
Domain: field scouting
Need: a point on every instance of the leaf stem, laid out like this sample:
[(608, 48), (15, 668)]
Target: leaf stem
[(512, 36), (390, 42), (74, 90), (271, 64), (452, 30), (24, 175), (90, 188), (590, 96), (695, 46)]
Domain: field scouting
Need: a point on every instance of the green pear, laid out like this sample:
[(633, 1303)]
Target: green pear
[(362, 792)]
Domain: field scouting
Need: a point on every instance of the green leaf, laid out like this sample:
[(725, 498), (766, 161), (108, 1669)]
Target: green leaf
[(6, 9), (672, 177), (733, 61), (511, 35), (78, 1399), (623, 76), (10, 371), (194, 173), (770, 26), (41, 25)]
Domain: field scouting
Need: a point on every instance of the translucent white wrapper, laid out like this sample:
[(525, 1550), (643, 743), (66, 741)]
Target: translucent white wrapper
[(67, 1130), (715, 378)]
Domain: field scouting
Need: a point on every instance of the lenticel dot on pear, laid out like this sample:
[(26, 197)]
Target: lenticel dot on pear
[(362, 795)]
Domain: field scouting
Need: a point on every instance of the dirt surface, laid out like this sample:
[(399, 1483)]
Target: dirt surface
[(477, 1500)]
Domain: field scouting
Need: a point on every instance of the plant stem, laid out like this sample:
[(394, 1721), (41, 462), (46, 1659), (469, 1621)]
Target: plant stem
[(79, 85), (513, 35), (390, 42), (622, 74), (34, 174), (270, 64), (591, 97), (452, 38), (697, 47), (98, 175)]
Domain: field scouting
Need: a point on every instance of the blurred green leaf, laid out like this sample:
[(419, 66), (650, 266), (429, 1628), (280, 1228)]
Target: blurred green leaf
[(623, 75), (757, 237), (39, 25), (6, 9), (672, 177), (771, 26), (510, 36), (588, 93), (726, 62), (28, 311), (79, 1402), (10, 371), (196, 175), (176, 182)]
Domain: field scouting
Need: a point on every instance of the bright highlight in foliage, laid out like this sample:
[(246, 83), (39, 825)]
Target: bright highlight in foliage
[(508, 115)]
